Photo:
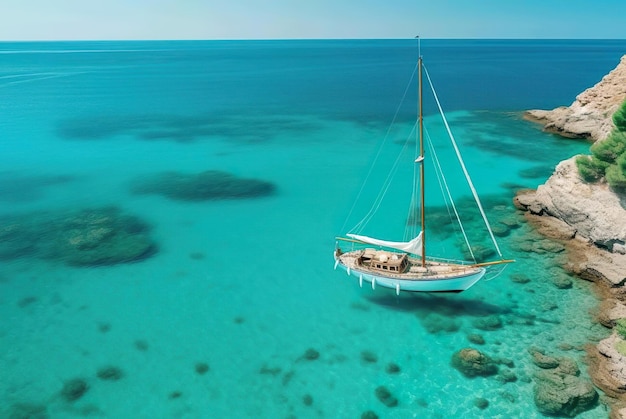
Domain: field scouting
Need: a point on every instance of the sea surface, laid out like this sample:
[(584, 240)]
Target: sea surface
[(235, 310)]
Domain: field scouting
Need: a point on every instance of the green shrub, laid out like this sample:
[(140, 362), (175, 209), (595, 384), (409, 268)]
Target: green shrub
[(621, 347), (610, 148), (616, 174), (619, 118), (620, 327), (608, 157), (590, 168)]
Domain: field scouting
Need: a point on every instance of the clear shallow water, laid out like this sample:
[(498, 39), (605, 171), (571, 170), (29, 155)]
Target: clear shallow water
[(83, 121)]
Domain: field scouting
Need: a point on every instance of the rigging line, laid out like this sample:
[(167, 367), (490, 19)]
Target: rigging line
[(395, 116), (443, 184), (410, 231), (458, 155), (385, 188)]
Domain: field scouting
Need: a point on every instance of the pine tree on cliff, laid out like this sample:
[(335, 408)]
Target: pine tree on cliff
[(608, 157)]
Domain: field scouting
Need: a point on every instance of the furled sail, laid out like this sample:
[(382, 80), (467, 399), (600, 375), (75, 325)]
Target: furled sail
[(414, 246)]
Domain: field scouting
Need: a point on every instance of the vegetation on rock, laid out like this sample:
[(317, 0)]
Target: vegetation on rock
[(608, 157), (620, 327)]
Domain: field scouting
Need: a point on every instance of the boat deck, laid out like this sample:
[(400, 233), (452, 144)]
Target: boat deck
[(434, 270)]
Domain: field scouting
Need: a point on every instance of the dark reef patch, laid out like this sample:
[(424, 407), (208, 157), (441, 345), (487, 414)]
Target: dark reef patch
[(17, 187), (204, 186), (392, 368), (88, 237), (28, 411), (110, 373), (74, 389), (386, 397), (169, 127), (310, 354), (436, 323), (201, 368), (141, 345), (369, 357)]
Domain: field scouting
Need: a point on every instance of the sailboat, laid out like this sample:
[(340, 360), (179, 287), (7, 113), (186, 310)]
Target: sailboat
[(405, 266)]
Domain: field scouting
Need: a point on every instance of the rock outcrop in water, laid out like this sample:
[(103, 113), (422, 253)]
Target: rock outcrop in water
[(559, 391), (88, 237), (589, 116), (473, 363)]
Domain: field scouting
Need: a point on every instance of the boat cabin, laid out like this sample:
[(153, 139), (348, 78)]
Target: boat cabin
[(385, 261)]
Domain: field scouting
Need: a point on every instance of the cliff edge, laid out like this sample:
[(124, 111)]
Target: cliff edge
[(590, 220), (589, 116)]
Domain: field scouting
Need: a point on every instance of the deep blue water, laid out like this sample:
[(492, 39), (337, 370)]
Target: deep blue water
[(246, 285)]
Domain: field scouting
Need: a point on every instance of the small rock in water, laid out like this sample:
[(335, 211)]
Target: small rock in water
[(476, 339), (472, 363), (436, 323), (506, 376), (392, 368), (369, 414), (202, 368), (519, 278), (28, 411), (307, 399), (481, 403), (561, 280), (488, 323), (110, 373), (311, 354), (369, 357), (385, 396), (74, 389)]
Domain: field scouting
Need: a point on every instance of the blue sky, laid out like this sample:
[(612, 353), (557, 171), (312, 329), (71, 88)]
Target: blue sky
[(269, 19)]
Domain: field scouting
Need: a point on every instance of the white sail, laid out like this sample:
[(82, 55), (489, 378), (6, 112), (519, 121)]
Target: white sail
[(414, 246)]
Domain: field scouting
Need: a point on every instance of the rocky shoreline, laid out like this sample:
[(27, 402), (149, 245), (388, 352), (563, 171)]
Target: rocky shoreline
[(590, 221)]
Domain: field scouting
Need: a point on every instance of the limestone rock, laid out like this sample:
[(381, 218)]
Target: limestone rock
[(560, 391), (472, 363), (608, 367), (589, 116), (591, 210), (562, 394)]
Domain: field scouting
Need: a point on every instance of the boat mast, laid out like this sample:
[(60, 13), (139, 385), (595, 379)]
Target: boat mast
[(420, 159)]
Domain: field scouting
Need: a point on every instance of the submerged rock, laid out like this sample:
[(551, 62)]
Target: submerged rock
[(472, 363), (481, 403), (436, 323), (560, 394), (542, 360), (476, 339), (110, 373), (559, 391), (204, 186), (74, 389), (28, 411), (385, 396), (488, 323)]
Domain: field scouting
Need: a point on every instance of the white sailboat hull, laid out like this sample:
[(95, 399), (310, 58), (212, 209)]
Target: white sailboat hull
[(455, 282)]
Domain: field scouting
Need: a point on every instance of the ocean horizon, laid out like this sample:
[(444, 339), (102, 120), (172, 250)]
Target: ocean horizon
[(130, 289)]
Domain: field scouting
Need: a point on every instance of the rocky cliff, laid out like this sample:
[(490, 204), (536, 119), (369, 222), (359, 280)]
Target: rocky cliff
[(589, 116), (593, 211), (590, 219)]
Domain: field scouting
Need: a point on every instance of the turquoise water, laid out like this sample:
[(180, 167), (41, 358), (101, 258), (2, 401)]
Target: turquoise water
[(246, 285)]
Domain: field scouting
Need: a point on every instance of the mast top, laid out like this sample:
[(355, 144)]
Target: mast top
[(419, 47)]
